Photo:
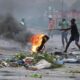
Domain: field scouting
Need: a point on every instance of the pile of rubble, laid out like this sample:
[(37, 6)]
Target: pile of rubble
[(40, 61), (32, 62)]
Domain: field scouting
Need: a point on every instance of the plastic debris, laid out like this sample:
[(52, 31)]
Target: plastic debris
[(41, 65), (60, 62), (28, 60), (20, 62), (70, 60), (4, 64)]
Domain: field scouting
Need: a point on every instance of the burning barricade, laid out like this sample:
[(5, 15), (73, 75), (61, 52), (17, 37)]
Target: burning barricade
[(33, 61)]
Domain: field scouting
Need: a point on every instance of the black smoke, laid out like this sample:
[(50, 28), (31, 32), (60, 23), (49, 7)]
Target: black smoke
[(10, 28)]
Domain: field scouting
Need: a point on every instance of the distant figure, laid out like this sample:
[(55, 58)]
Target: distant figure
[(51, 25), (64, 25), (23, 23), (74, 34)]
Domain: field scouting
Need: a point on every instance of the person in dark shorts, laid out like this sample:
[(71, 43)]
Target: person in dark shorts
[(74, 34)]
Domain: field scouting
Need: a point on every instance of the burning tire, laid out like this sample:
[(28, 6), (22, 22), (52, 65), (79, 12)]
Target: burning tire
[(38, 41)]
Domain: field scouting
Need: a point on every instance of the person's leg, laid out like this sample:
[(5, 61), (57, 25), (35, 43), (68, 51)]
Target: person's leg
[(70, 40), (50, 33), (77, 44), (76, 41), (66, 37), (62, 39)]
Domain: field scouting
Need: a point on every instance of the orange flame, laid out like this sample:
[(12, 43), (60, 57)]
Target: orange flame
[(36, 41)]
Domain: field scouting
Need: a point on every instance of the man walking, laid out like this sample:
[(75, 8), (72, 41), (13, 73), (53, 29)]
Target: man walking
[(74, 35)]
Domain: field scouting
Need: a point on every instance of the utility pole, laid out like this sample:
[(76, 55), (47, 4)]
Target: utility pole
[(62, 9)]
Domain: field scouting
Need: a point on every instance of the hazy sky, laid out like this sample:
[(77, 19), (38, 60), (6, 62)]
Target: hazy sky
[(22, 5), (30, 9), (69, 2)]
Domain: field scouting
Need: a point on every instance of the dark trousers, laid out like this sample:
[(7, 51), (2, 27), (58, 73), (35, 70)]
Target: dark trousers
[(73, 38)]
